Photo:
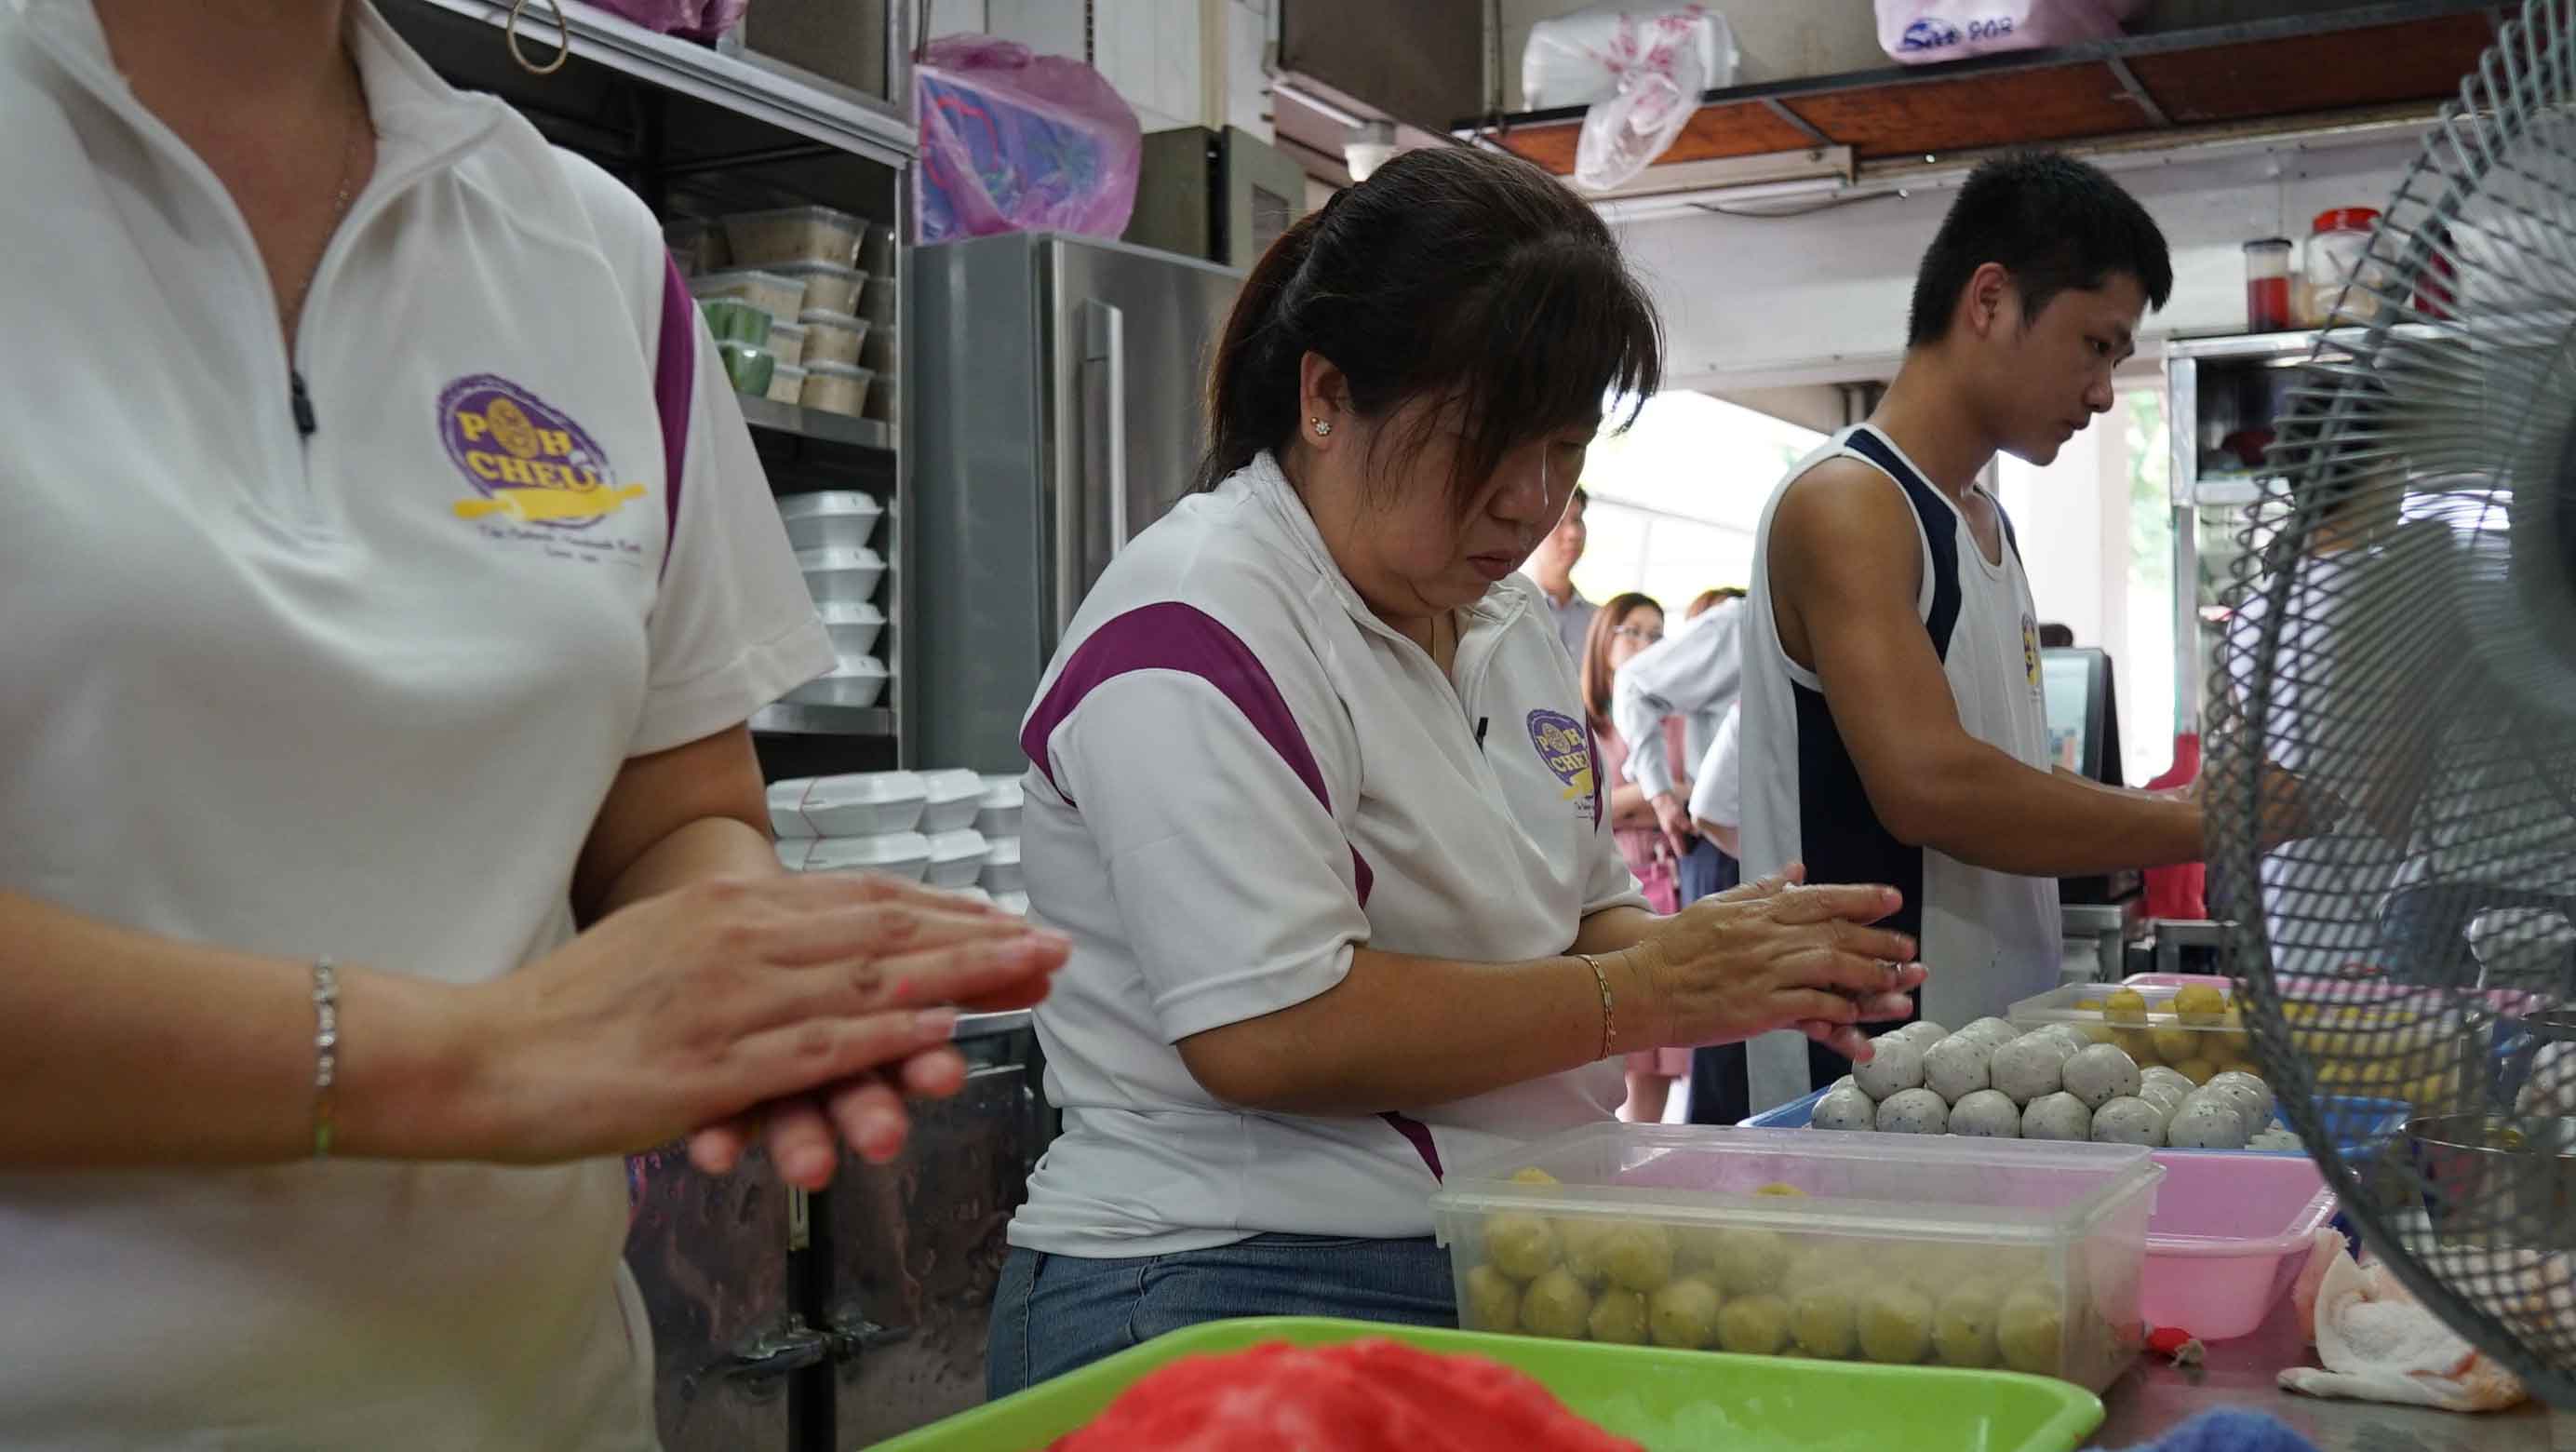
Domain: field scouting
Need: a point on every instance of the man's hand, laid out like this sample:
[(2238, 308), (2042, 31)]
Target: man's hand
[(1674, 817)]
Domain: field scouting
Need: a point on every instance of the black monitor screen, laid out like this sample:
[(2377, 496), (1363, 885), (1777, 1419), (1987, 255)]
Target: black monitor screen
[(2083, 711)]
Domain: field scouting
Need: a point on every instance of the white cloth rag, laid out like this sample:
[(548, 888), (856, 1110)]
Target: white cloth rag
[(2378, 1343)]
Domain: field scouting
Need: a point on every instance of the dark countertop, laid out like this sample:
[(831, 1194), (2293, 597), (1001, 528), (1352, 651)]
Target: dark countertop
[(2155, 1397)]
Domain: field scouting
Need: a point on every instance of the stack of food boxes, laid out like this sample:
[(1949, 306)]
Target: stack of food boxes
[(783, 291), (915, 825)]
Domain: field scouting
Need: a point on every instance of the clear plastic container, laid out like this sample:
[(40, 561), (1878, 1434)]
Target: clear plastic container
[(787, 342), (2228, 1237), (830, 519), (857, 681), (731, 320), (896, 854), (1002, 865), (1014, 903), (795, 234), (696, 245), (780, 297), (885, 401), (840, 575), (852, 624), (997, 811), (2338, 253), (751, 369), (837, 388), (1898, 1249), (828, 285), (954, 796), (855, 804), (833, 337), (2267, 285), (878, 351), (786, 383), (956, 858)]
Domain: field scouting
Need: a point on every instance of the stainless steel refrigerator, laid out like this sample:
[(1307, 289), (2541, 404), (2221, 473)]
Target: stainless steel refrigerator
[(1055, 411)]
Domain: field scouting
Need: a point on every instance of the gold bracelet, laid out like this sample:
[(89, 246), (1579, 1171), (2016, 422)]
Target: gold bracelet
[(1608, 1034)]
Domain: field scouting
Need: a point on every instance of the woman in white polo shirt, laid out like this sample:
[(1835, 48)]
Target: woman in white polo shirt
[(1313, 797), (387, 577)]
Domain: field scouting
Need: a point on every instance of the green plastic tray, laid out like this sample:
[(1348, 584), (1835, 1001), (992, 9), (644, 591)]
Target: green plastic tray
[(1671, 1401)]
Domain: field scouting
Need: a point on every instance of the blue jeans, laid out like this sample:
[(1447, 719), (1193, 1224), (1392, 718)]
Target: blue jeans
[(1706, 871), (1058, 1313)]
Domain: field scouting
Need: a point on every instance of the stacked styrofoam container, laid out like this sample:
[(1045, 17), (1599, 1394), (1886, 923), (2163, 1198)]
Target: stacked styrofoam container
[(830, 531), (862, 822), (997, 816)]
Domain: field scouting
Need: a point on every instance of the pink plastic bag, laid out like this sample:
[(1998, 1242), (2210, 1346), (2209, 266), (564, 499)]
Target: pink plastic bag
[(1927, 32), (695, 19), (1015, 142)]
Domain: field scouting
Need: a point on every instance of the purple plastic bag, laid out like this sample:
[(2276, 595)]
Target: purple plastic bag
[(689, 19), (1014, 142)]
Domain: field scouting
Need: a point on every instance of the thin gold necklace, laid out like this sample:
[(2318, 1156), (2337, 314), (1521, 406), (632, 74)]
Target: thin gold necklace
[(358, 130)]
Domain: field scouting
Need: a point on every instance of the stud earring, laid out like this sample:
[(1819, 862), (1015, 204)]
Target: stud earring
[(1322, 428)]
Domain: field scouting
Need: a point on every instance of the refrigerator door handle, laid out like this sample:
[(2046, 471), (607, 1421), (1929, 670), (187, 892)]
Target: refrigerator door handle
[(1104, 341), (790, 1348)]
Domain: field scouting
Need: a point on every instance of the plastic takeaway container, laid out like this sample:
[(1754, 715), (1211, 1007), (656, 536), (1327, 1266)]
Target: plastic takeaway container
[(835, 574), (956, 858), (787, 342), (830, 519), (857, 681), (954, 795), (997, 811), (776, 295), (828, 285), (837, 388), (1002, 865), (833, 337), (975, 895), (852, 624), (1896, 1249), (896, 854), (856, 804), (786, 383), (795, 234), (2229, 1235), (1014, 903)]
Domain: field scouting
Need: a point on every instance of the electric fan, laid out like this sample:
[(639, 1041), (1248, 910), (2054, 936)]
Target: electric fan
[(2391, 790)]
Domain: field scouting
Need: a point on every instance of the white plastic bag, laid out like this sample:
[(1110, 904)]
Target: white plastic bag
[(1927, 32), (1641, 73)]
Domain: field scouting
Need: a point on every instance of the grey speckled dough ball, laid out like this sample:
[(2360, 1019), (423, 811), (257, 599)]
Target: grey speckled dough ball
[(2129, 1121), (1845, 1108), (2166, 1099), (1925, 1032), (2057, 1116), (1995, 1032), (1845, 1082), (1895, 1065), (2101, 1073), (1986, 1114), (2028, 1068), (1957, 1067), (2263, 1091), (2071, 1035), (2252, 1104), (2205, 1123), (2156, 1074), (1914, 1111)]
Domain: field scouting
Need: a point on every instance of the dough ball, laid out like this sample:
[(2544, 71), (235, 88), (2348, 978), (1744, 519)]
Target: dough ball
[(2154, 1074), (1532, 1176), (1894, 1323), (1986, 1114), (2075, 1036), (2198, 1071), (2030, 1067), (1581, 1239), (2231, 1048), (2126, 1007), (2549, 1090), (1963, 1325), (2129, 1121), (1845, 1082), (1845, 1109), (1957, 1067), (2262, 1091), (2057, 1116), (1749, 1262), (1822, 1318), (2252, 1105), (1895, 1065), (1993, 1032), (2177, 1045), (1781, 1190), (1619, 1318), (2204, 1123), (1913, 1111), (1556, 1304), (1638, 1257), (1520, 1246), (1924, 1032), (2200, 1005), (2138, 1044), (2028, 1330), (2099, 1075), (1753, 1325), (1493, 1301), (1683, 1314), (2166, 1099)]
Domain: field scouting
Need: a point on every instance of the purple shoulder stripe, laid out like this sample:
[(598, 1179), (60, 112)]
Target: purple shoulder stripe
[(675, 365), (1417, 1134), (1173, 636), (1592, 749)]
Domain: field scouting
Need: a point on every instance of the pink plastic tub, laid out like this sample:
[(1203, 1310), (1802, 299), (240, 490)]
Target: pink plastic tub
[(2227, 1238)]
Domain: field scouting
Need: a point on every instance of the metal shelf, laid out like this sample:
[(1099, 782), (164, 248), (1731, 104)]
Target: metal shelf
[(798, 718), (816, 424)]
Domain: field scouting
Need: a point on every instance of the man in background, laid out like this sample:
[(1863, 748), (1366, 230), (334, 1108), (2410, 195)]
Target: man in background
[(1552, 568)]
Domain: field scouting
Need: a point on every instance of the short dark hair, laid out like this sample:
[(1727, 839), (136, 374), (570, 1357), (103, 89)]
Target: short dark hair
[(2053, 222), (1579, 496), (1452, 274)]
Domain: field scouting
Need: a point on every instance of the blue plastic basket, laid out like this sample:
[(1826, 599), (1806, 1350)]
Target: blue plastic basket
[(2356, 1123)]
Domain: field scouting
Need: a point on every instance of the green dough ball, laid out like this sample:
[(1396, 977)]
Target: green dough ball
[(1750, 1262), (1556, 1305), (1753, 1325), (1963, 1330), (1583, 1241), (1638, 1257), (1895, 1324), (1493, 1300), (1619, 1318), (1821, 1317), (1520, 1246), (2028, 1330), (1684, 1314), (1695, 1247)]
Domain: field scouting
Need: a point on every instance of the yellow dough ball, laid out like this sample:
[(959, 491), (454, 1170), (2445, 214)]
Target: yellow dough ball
[(1781, 1191), (2090, 1005), (1753, 1325), (2174, 1045), (1822, 1318), (2028, 1330), (1895, 1325), (2200, 1005), (1556, 1305), (1520, 1246), (2139, 1045), (1749, 1262), (1963, 1327), (1638, 1257), (1619, 1318), (1683, 1314), (1582, 1240), (2198, 1071), (1493, 1301), (1532, 1176), (2098, 1034), (2127, 1008)]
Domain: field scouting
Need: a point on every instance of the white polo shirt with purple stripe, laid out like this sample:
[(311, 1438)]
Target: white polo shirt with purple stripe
[(1240, 776), (351, 683)]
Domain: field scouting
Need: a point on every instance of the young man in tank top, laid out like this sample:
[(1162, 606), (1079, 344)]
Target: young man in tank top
[(1892, 727)]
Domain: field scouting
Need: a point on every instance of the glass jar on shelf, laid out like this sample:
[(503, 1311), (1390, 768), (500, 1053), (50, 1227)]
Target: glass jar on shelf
[(2342, 276)]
